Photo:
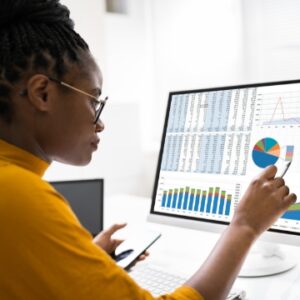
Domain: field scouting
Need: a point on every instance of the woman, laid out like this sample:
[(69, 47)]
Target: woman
[(49, 110)]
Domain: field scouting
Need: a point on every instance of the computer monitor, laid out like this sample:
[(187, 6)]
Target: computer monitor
[(86, 200), (214, 142)]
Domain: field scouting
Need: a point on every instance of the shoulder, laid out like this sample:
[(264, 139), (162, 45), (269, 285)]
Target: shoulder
[(27, 195), (32, 206), (16, 178)]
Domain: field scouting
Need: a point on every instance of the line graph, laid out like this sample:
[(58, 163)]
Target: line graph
[(284, 119), (277, 110)]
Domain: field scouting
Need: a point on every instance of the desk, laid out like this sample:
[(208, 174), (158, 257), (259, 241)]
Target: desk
[(184, 250)]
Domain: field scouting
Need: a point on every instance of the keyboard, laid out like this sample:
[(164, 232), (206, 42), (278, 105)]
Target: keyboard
[(159, 282)]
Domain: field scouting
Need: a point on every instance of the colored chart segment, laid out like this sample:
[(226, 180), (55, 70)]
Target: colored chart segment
[(293, 213), (266, 152), (289, 153), (210, 201)]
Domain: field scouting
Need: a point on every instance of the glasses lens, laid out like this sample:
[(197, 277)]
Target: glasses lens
[(97, 106)]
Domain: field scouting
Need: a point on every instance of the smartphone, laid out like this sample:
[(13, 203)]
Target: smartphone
[(130, 250)]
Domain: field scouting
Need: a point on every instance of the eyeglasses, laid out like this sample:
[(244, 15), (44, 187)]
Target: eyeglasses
[(98, 103)]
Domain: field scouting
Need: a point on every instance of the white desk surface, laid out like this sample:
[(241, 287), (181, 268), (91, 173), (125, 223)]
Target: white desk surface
[(182, 250)]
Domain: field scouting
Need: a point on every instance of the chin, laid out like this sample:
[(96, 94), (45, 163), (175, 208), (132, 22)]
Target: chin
[(83, 161), (76, 160)]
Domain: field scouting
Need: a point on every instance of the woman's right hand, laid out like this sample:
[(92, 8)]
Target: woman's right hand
[(264, 201)]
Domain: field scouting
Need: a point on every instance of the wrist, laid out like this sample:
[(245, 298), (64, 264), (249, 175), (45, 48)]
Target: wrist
[(246, 232)]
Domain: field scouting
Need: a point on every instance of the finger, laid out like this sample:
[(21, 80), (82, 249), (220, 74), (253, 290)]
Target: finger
[(115, 227), (290, 199), (269, 172), (284, 190), (115, 244), (141, 257), (118, 242), (278, 182)]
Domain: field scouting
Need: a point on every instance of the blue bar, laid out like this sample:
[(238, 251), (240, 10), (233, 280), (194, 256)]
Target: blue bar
[(186, 197), (169, 198), (209, 200), (216, 198), (197, 201), (221, 207), (227, 208), (180, 199), (203, 201), (191, 204), (163, 201), (175, 198)]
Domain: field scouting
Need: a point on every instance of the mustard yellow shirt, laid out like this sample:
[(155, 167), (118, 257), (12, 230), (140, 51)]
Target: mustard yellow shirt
[(45, 253)]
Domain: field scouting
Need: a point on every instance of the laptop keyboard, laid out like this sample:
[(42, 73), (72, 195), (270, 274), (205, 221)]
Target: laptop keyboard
[(155, 280), (160, 282)]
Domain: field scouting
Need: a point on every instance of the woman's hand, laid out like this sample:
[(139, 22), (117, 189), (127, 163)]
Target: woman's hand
[(106, 242), (265, 200)]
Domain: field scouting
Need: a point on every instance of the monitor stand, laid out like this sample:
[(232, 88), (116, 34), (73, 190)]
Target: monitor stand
[(266, 259)]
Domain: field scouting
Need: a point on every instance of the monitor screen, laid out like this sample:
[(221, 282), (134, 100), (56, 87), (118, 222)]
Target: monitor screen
[(86, 199), (216, 140)]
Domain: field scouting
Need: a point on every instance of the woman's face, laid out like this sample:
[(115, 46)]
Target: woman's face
[(71, 133)]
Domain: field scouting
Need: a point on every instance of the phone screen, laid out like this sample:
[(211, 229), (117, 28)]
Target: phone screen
[(129, 251)]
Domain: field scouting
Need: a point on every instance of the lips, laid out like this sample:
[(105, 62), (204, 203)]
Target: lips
[(95, 143)]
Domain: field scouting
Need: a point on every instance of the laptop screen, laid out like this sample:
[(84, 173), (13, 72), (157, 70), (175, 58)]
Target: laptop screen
[(86, 199)]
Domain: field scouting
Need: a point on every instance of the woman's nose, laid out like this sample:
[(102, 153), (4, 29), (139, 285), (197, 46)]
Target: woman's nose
[(99, 126)]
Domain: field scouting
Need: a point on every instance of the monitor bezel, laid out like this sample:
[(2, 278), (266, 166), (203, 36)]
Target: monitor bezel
[(205, 224)]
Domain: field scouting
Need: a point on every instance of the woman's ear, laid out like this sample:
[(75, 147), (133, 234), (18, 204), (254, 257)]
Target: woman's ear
[(38, 92)]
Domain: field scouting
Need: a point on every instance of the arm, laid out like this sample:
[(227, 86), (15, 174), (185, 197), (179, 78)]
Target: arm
[(265, 200)]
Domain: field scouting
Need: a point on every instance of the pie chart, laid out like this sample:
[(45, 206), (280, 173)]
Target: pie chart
[(266, 152)]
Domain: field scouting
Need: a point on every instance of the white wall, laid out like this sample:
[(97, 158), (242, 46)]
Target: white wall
[(272, 39)]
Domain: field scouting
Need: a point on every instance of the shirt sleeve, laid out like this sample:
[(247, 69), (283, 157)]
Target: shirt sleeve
[(69, 265)]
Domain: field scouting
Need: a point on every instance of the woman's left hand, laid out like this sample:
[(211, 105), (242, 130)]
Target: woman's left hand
[(106, 242)]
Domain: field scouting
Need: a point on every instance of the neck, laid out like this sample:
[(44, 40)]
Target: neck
[(20, 138)]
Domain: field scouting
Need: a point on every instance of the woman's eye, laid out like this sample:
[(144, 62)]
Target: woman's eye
[(94, 104)]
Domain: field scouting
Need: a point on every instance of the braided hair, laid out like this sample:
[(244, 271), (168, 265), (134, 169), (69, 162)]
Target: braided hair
[(34, 35)]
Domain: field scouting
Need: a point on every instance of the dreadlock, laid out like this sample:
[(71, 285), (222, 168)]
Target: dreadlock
[(34, 35)]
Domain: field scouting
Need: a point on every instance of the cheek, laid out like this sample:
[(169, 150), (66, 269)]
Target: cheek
[(79, 118)]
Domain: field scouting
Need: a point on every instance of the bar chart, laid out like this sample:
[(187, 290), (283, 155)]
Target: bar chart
[(213, 200)]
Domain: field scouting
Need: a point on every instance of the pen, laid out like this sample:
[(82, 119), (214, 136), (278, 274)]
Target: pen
[(285, 169)]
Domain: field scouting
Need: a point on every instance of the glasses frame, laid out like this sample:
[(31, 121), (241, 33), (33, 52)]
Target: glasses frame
[(96, 99)]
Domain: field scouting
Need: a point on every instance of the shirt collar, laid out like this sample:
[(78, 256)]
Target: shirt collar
[(22, 158)]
